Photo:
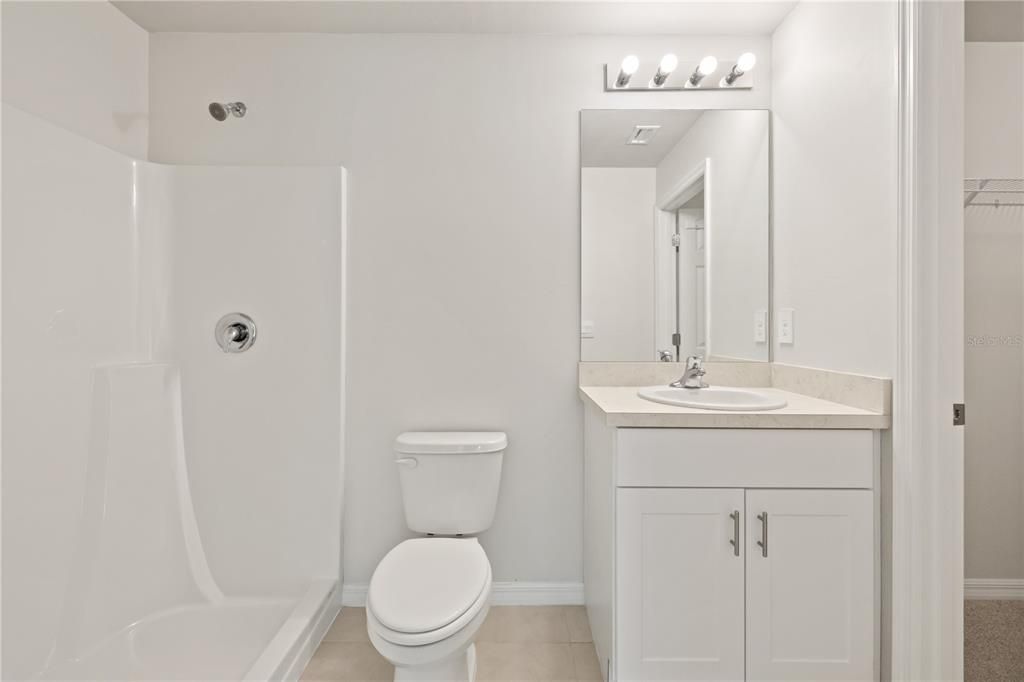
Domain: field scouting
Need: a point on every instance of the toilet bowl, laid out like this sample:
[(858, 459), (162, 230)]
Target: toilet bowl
[(429, 596), (427, 600)]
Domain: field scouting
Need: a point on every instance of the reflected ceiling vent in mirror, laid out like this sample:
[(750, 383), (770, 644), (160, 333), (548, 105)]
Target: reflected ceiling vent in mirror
[(643, 134), (651, 73)]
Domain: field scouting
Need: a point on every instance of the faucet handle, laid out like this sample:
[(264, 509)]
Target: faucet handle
[(692, 376)]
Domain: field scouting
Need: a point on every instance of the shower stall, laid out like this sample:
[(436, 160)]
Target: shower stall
[(170, 510)]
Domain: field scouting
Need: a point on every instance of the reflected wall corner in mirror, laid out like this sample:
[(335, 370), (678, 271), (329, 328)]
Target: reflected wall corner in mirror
[(675, 230)]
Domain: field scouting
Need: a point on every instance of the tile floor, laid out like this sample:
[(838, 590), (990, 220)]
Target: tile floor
[(993, 641), (515, 643)]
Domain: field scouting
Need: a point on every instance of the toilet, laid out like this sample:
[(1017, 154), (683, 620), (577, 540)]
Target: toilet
[(429, 595)]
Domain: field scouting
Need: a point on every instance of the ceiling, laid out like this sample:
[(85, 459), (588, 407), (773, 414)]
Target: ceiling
[(566, 17), (603, 135)]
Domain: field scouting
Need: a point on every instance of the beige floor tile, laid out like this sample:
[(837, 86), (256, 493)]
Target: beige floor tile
[(515, 643), (348, 662), (349, 626), (524, 661), (525, 624), (584, 658), (578, 624)]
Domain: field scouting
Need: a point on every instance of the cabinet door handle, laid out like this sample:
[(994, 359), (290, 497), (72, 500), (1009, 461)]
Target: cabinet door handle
[(735, 542), (763, 542)]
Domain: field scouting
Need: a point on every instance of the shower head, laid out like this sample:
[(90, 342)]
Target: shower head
[(220, 111)]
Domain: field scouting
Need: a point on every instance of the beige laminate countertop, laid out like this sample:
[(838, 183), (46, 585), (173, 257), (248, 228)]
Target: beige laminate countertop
[(622, 407)]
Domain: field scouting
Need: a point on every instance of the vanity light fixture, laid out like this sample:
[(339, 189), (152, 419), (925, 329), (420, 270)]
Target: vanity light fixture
[(707, 66), (668, 64), (642, 73), (745, 63), (629, 66)]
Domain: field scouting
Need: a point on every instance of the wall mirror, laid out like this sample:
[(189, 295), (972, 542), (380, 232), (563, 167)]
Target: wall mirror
[(675, 235)]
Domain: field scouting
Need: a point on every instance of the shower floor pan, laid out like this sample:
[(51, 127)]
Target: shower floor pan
[(238, 639)]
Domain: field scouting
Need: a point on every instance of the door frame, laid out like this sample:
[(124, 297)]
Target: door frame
[(927, 585), (696, 180)]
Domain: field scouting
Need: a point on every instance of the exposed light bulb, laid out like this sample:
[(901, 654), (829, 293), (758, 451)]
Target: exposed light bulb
[(668, 64), (745, 63), (628, 67), (706, 67)]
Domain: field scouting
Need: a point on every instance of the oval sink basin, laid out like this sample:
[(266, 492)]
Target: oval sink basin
[(713, 398)]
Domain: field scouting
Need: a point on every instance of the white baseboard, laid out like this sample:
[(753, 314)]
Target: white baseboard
[(537, 594), (993, 588), (503, 594)]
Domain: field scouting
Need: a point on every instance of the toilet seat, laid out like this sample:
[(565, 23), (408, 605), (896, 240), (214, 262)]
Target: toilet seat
[(428, 589)]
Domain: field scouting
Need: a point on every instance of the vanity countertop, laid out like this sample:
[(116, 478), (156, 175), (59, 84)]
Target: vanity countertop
[(622, 407)]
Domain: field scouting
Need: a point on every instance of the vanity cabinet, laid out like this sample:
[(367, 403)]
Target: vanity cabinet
[(811, 592), (732, 554), (679, 602)]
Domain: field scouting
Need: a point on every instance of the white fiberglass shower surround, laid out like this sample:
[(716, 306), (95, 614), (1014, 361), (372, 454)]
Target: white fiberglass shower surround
[(170, 511)]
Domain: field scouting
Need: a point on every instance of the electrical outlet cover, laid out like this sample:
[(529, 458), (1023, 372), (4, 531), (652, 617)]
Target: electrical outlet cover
[(786, 326), (760, 326)]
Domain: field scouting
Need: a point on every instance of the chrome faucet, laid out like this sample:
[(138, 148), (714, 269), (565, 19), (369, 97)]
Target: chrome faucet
[(693, 376)]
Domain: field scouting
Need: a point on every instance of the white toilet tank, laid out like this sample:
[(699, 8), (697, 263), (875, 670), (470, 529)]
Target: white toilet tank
[(450, 479)]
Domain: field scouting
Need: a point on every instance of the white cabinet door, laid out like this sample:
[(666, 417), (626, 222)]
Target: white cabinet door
[(679, 584), (810, 591)]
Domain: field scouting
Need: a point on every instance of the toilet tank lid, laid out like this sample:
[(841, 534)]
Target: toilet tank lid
[(450, 442)]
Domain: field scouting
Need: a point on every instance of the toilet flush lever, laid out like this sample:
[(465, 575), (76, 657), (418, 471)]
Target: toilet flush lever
[(409, 462)]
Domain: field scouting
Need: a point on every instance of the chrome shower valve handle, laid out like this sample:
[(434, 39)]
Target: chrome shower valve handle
[(235, 333)]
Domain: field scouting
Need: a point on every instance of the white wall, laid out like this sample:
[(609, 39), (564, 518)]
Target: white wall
[(994, 317), (617, 261), (80, 65), (463, 153), (834, 171), (737, 196)]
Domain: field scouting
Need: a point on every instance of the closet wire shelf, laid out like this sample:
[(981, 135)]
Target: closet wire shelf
[(993, 192)]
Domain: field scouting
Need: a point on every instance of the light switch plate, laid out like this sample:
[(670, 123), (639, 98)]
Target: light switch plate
[(760, 326), (786, 326)]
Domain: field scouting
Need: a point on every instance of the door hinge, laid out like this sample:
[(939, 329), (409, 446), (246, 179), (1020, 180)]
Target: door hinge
[(959, 414), (677, 339), (676, 241)]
